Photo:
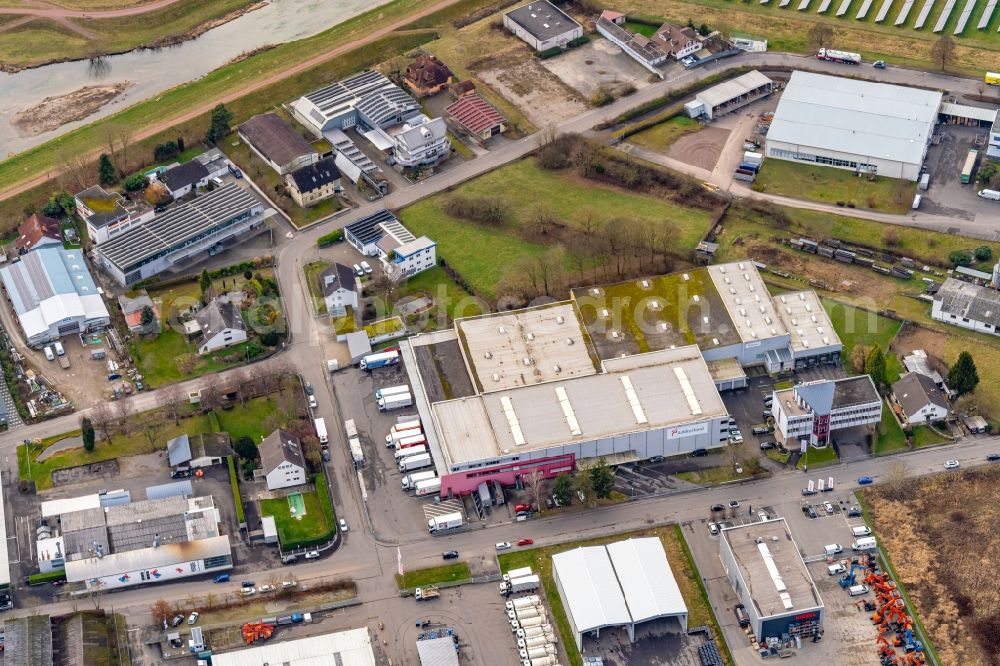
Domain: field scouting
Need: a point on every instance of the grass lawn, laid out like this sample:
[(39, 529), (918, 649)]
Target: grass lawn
[(681, 564), (312, 271), (317, 524), (889, 436), (830, 185), (251, 420), (777, 456), (160, 358), (859, 327), (135, 444), (446, 573), (925, 436), (385, 327), (644, 29), (451, 301), (43, 41), (818, 457), (462, 243), (659, 137)]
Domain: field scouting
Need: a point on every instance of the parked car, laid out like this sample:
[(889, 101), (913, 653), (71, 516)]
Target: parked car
[(525, 542), (312, 555), (325, 454), (828, 506), (718, 507), (854, 512), (699, 453), (734, 504), (358, 270), (221, 578), (879, 64), (809, 491), (993, 457), (265, 588), (834, 569), (764, 446), (177, 620), (309, 388), (366, 268), (449, 555), (865, 480), (951, 464), (741, 615), (654, 460), (713, 528), (193, 617), (285, 584), (522, 507), (248, 591), (766, 414), (343, 525), (503, 545), (312, 402), (48, 353)]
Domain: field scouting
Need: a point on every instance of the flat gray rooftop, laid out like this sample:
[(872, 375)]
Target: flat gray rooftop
[(542, 19), (747, 301), (785, 576), (526, 347), (803, 315)]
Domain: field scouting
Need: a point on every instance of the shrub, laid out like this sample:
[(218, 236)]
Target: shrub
[(135, 182), (549, 53), (270, 339), (960, 258), (486, 210), (983, 253), (330, 238)]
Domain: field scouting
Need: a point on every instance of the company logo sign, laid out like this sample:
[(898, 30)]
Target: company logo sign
[(688, 430)]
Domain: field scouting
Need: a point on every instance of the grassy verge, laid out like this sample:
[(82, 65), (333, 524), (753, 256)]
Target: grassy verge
[(234, 481), (712, 475), (42, 41), (834, 186), (681, 563), (777, 456), (818, 457), (889, 436), (925, 436), (659, 137), (446, 573), (47, 577), (312, 271)]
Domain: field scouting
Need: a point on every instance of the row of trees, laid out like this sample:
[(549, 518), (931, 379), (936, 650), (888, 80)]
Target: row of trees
[(596, 481), (963, 377)]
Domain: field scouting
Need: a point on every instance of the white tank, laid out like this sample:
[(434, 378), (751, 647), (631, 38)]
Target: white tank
[(549, 660), (525, 613), (528, 643), (531, 622), (521, 602)]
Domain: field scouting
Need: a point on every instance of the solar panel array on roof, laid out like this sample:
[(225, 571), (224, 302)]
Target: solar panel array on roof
[(177, 226), (367, 229), (387, 105), (337, 94)]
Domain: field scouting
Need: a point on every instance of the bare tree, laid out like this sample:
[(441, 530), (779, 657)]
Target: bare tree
[(533, 479), (257, 377), (896, 483), (171, 398), (240, 377), (124, 412), (384, 285), (280, 372), (100, 416), (117, 138), (77, 172), (546, 135), (210, 396), (162, 611), (96, 597), (943, 51), (821, 35), (151, 424)]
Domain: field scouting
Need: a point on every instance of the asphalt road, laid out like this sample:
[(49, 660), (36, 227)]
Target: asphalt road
[(371, 563)]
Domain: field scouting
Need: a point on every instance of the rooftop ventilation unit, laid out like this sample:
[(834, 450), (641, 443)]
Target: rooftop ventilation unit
[(654, 304), (715, 341), (722, 269), (782, 299), (663, 325), (727, 280), (568, 412), (605, 313), (749, 324), (633, 401), (526, 360), (569, 341), (732, 291), (595, 291), (819, 329), (689, 395), (767, 320), (805, 342), (814, 320), (795, 322), (774, 331), (556, 368), (740, 265), (496, 377), (753, 334), (696, 298), (515, 426), (529, 337), (746, 276), (686, 277), (756, 298), (501, 329), (560, 319), (826, 341), (704, 320), (788, 310), (800, 332), (743, 312), (673, 346), (645, 284), (488, 355), (802, 296), (614, 335), (809, 307), (762, 309)]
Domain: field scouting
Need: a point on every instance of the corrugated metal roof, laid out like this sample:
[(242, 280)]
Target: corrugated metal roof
[(147, 558), (646, 579), (344, 648), (875, 120), (590, 589), (437, 652), (732, 89), (966, 111)]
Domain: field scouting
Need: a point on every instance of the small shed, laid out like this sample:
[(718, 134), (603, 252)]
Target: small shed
[(270, 529), (179, 450), (358, 345)]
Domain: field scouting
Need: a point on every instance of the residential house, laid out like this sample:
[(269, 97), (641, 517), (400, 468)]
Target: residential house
[(382, 235), (339, 289), (221, 325), (420, 141), (477, 116), (427, 75), (314, 183), (812, 411), (107, 214), (132, 308), (460, 88), (919, 399), (640, 48), (610, 15), (281, 147), (282, 460), (678, 42), (184, 178), (542, 25), (967, 305), (918, 361), (37, 231)]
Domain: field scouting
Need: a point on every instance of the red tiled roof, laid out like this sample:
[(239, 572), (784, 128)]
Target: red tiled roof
[(34, 229), (475, 113), (611, 15), (428, 72)]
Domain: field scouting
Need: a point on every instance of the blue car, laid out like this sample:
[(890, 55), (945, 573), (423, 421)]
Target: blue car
[(865, 480), (222, 578)]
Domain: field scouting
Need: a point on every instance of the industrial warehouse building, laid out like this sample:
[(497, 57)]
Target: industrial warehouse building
[(852, 124), (967, 305), (181, 234), (53, 294), (763, 565), (730, 95), (542, 25), (541, 388), (344, 648), (621, 584)]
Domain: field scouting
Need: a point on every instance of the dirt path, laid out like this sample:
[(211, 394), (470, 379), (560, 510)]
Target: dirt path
[(154, 129), (62, 13)]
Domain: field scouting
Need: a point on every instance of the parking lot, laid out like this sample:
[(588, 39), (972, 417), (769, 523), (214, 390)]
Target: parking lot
[(947, 195), (849, 636)]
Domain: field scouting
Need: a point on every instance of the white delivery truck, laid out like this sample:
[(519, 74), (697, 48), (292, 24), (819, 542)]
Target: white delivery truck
[(992, 195), (410, 441), (350, 428), (391, 402), (517, 573), (867, 543), (392, 390), (445, 521), (409, 451), (427, 487), (321, 430), (410, 481), (401, 430), (522, 584), (357, 455), (381, 360), (412, 463)]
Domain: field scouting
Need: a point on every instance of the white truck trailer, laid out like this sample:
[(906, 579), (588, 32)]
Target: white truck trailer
[(445, 522)]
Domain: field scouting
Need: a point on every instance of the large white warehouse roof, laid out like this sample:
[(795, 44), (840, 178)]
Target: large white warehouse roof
[(344, 648), (877, 120)]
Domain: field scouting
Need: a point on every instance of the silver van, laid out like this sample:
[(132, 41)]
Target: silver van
[(48, 353), (860, 531), (857, 590)]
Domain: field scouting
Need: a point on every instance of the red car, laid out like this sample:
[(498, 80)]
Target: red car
[(522, 507), (525, 542)]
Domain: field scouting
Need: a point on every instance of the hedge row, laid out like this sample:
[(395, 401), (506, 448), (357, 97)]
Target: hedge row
[(330, 238), (235, 482)]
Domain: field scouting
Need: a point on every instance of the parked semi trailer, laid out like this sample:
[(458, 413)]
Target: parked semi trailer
[(381, 360), (391, 402), (445, 522)]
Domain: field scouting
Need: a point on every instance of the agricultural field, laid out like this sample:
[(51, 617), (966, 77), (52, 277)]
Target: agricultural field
[(574, 202), (940, 533), (41, 41), (787, 29), (834, 186), (681, 564)]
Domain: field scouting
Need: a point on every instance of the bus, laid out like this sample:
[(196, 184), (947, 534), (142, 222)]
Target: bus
[(970, 165), (993, 78)]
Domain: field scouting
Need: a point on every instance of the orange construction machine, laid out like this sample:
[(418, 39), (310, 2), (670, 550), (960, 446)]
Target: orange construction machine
[(256, 631)]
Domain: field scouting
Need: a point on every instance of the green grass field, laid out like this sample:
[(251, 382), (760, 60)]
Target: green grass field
[(481, 253), (834, 186), (818, 457), (161, 358), (42, 40), (859, 327), (659, 137), (681, 564), (446, 573), (889, 436), (317, 524), (925, 436)]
